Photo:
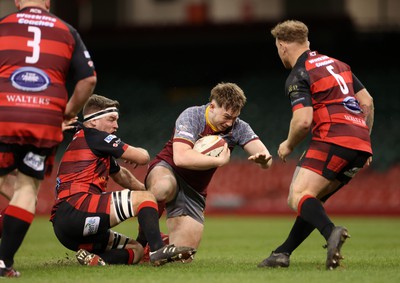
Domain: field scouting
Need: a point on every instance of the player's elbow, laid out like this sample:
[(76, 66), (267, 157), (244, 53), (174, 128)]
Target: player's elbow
[(303, 125), (144, 158), (91, 81), (178, 160)]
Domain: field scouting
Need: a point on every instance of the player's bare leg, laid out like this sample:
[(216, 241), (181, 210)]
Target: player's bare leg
[(185, 231)]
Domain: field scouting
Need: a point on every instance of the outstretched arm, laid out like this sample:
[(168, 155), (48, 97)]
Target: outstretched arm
[(259, 153)]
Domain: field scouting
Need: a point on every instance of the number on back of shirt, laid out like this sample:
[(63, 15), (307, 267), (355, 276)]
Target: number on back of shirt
[(339, 79), (34, 44)]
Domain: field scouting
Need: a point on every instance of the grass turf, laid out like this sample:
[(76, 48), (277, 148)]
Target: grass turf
[(229, 253)]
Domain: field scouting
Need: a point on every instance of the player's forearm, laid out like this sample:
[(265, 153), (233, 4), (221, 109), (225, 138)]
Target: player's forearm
[(83, 90), (297, 133), (126, 179), (369, 115)]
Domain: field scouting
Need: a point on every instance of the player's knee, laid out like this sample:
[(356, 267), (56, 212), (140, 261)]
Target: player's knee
[(142, 196), (292, 204), (162, 190)]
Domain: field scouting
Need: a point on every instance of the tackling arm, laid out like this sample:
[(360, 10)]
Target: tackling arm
[(125, 179), (136, 155)]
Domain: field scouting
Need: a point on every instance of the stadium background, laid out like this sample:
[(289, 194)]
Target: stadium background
[(158, 57)]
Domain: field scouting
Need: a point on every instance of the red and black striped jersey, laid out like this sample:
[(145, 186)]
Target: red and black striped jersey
[(88, 161), (329, 86), (37, 52)]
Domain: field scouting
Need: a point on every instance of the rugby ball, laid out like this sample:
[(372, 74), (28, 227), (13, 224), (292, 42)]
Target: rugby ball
[(211, 145)]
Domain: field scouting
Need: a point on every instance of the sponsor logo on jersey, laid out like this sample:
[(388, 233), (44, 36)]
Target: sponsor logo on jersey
[(87, 54), (30, 79), (182, 130), (109, 138), (351, 104)]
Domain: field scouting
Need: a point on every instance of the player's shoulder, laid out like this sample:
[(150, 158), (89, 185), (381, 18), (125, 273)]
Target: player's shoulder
[(94, 136), (193, 112), (196, 109)]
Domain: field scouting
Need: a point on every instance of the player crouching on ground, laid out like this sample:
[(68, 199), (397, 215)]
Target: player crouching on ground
[(179, 175), (84, 211)]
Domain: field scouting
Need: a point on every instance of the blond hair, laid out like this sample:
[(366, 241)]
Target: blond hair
[(291, 31)]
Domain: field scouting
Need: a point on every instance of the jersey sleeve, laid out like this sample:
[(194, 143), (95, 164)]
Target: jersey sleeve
[(357, 85), (242, 134), (82, 65), (297, 88), (104, 144), (114, 166), (189, 125)]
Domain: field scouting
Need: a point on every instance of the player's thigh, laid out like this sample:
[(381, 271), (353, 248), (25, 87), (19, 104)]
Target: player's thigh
[(185, 231), (162, 183), (307, 182)]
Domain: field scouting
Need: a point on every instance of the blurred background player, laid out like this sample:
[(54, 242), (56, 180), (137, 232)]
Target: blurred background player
[(328, 99), (84, 211), (37, 49), (179, 175)]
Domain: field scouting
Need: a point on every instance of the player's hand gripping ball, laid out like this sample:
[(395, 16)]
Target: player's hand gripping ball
[(210, 145)]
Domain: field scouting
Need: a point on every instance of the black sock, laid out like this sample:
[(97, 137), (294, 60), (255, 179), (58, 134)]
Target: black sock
[(14, 231), (141, 237), (301, 229), (148, 221), (313, 212), (118, 256)]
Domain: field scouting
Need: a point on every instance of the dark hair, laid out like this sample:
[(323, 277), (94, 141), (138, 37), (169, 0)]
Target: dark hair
[(97, 102)]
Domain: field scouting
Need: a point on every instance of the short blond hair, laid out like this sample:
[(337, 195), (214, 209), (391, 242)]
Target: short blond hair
[(291, 31)]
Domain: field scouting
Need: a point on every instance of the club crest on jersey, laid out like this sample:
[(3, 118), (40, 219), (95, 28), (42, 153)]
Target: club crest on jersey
[(30, 79), (109, 138), (116, 143)]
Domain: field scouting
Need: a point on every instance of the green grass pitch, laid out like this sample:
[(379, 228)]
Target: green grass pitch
[(232, 247)]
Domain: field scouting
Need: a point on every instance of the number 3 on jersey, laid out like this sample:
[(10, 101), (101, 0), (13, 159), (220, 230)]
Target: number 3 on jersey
[(339, 79), (35, 44)]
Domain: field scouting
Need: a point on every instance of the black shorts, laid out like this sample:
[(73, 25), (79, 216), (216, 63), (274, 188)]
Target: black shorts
[(78, 229), (32, 161), (332, 161)]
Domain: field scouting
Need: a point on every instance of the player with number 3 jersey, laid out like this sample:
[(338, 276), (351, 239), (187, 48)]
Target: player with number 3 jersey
[(37, 52)]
